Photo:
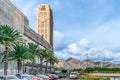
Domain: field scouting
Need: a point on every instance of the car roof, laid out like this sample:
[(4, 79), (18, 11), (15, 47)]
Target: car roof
[(6, 75)]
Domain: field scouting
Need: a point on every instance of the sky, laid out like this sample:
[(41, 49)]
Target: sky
[(81, 27)]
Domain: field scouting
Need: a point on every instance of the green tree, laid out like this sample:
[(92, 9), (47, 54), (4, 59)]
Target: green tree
[(41, 55), (8, 37), (52, 60), (34, 49), (48, 55), (59, 69), (19, 54)]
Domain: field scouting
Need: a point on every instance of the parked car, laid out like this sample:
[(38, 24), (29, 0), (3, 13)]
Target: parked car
[(42, 77), (35, 77), (23, 76), (8, 77), (74, 75), (52, 76), (60, 75), (56, 76)]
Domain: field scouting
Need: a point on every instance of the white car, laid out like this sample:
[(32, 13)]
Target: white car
[(23, 76), (43, 77), (8, 77), (74, 76)]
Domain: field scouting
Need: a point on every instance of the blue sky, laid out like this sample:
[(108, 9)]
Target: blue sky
[(81, 27)]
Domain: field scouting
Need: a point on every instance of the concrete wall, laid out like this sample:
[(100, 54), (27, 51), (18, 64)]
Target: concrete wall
[(11, 16), (36, 37)]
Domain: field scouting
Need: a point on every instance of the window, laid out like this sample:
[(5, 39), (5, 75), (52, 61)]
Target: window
[(42, 25), (46, 31), (42, 31), (45, 35)]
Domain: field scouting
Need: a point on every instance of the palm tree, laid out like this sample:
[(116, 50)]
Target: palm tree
[(19, 54), (52, 60), (8, 36), (41, 55), (34, 49), (48, 55)]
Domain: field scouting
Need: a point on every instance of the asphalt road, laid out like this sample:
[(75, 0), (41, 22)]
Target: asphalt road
[(68, 79)]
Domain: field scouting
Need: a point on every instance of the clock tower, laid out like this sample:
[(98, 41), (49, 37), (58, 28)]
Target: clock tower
[(44, 23)]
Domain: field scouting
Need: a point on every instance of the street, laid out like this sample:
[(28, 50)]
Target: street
[(68, 79)]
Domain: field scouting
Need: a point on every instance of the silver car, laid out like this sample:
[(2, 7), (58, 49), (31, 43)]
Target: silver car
[(23, 76), (43, 77)]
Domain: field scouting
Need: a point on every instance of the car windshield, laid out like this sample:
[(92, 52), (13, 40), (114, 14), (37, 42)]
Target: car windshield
[(73, 74), (18, 76)]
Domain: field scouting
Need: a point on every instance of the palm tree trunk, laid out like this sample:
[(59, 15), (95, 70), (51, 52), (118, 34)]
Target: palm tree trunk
[(32, 68), (40, 67), (19, 63), (46, 67), (6, 62), (50, 66)]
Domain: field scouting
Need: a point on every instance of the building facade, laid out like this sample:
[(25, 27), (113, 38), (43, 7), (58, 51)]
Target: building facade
[(12, 16), (44, 22)]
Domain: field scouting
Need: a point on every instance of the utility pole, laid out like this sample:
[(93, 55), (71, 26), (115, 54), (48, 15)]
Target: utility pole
[(114, 62), (104, 61), (87, 60)]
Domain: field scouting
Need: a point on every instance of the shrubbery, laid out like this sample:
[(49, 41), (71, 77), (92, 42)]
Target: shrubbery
[(59, 69), (107, 70), (86, 76)]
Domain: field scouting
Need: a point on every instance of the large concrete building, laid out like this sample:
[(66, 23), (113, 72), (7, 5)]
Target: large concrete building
[(12, 16), (44, 22)]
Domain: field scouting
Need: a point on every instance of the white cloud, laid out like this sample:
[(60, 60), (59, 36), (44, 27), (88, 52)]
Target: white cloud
[(62, 55), (83, 43), (78, 50), (77, 47), (74, 49)]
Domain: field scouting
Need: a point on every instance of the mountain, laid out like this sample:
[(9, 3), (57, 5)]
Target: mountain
[(72, 63), (91, 63), (60, 63)]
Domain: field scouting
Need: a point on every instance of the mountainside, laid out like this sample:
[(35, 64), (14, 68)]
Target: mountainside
[(73, 63), (91, 63)]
